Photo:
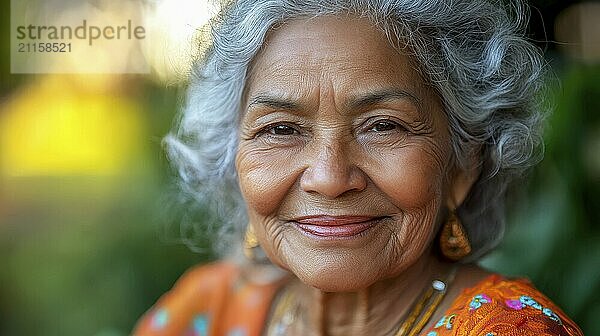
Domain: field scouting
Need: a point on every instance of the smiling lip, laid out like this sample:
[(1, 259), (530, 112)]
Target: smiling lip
[(335, 226)]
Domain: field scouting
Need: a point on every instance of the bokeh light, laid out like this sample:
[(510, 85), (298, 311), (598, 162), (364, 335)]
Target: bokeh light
[(53, 128), (179, 29)]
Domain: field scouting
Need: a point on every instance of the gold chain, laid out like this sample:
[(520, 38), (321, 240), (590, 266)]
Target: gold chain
[(424, 308), (283, 317), (420, 313)]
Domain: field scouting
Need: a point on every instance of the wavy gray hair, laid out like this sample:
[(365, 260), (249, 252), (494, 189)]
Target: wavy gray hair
[(473, 52)]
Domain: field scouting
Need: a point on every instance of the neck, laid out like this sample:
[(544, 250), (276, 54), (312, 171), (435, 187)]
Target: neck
[(375, 310)]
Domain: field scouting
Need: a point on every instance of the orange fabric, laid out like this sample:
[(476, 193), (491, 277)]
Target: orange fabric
[(497, 306), (214, 300), (210, 300)]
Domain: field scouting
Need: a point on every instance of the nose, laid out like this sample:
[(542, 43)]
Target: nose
[(331, 173)]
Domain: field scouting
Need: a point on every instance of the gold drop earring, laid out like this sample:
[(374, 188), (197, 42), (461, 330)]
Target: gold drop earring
[(454, 242)]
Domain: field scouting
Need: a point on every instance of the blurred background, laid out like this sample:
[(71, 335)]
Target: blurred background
[(86, 247)]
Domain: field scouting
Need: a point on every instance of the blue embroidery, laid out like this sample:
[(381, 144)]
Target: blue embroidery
[(160, 319), (528, 301), (200, 325), (441, 322), (445, 321), (478, 300), (551, 315)]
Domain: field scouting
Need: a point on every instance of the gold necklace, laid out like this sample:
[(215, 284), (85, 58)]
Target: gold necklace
[(420, 313), (425, 307)]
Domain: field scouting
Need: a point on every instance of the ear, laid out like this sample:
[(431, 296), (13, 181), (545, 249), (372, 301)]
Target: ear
[(462, 181)]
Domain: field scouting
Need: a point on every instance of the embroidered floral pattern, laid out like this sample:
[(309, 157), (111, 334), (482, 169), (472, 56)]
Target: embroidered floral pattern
[(514, 304), (445, 321), (199, 326), (548, 312), (478, 300), (529, 301), (159, 319), (441, 322), (493, 307)]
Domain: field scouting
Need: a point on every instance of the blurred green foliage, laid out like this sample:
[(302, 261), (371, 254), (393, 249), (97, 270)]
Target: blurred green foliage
[(87, 255), (554, 226)]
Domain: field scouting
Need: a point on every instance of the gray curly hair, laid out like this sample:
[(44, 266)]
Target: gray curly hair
[(473, 52)]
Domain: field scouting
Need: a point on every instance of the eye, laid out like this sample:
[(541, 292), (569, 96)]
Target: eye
[(281, 129), (384, 126)]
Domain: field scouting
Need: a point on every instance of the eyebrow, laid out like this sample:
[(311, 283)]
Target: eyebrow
[(381, 96), (361, 101), (273, 102)]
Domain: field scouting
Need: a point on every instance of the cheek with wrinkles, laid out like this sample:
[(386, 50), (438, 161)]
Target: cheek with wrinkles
[(265, 179), (418, 225), (271, 236), (410, 237)]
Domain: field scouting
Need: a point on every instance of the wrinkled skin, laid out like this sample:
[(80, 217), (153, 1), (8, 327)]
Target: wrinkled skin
[(337, 122)]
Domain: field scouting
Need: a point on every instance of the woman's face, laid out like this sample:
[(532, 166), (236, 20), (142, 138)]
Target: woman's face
[(343, 156)]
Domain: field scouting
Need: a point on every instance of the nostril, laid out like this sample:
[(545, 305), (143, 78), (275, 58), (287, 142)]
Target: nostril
[(333, 182)]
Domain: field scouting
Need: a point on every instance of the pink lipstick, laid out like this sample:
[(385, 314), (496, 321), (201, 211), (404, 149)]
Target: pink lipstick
[(335, 226)]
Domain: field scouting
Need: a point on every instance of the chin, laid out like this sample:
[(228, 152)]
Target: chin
[(335, 276)]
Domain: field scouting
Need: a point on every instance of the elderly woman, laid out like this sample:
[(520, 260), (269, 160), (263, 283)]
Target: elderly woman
[(364, 147)]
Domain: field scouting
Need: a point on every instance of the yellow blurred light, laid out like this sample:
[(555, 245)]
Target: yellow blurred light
[(50, 128), (175, 27)]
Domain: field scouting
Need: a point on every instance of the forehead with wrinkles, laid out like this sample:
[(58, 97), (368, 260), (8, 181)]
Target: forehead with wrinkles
[(299, 50)]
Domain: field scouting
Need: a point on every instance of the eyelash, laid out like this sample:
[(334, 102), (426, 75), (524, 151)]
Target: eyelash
[(268, 130), (397, 126)]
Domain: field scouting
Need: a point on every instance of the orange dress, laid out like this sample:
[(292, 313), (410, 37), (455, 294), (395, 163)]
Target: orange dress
[(213, 300)]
